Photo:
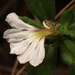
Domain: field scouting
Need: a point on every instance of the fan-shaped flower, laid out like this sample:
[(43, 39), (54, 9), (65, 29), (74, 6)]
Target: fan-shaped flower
[(26, 41)]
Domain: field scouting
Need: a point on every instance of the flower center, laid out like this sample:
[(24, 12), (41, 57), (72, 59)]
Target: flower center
[(44, 32)]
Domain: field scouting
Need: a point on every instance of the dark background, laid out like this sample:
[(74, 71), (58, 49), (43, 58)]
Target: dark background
[(20, 8)]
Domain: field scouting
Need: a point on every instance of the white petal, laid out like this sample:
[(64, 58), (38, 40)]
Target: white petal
[(11, 31), (20, 47), (27, 56), (15, 40), (39, 54), (17, 36), (15, 22)]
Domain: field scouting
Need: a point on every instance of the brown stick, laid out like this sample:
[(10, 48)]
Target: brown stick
[(15, 66), (58, 19), (9, 69), (72, 6), (21, 70), (64, 9)]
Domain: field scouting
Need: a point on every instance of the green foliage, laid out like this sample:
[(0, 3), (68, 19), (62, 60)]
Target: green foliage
[(66, 54), (72, 34), (58, 26), (48, 64), (31, 22), (67, 18), (43, 9), (66, 26), (74, 13), (70, 45), (64, 31), (72, 27), (72, 69)]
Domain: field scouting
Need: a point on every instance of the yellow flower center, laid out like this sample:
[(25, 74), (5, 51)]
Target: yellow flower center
[(44, 32)]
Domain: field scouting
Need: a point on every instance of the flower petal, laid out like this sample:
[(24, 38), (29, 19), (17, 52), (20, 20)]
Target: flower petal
[(15, 36), (15, 22), (18, 35), (20, 47), (11, 31), (27, 56), (39, 54), (15, 40)]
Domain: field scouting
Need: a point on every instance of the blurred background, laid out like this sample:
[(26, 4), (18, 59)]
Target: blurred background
[(20, 8)]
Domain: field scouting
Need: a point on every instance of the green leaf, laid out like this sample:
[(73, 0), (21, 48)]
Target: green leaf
[(74, 13), (43, 9), (31, 22), (64, 31), (66, 54), (72, 27), (72, 69), (58, 27), (72, 34), (47, 66), (51, 39), (71, 46), (67, 18)]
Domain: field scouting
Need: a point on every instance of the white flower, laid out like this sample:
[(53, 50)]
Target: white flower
[(26, 41)]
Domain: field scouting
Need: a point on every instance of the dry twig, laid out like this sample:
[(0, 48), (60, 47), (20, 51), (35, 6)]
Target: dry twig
[(21, 70), (64, 9), (9, 69), (58, 19), (15, 66)]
